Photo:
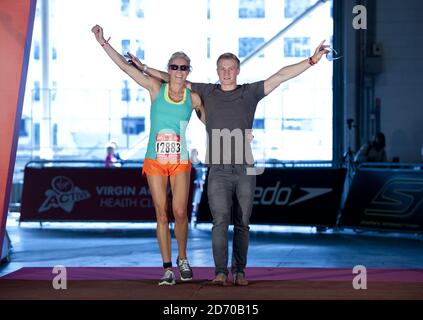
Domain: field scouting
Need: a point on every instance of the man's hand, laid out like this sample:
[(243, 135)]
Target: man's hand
[(135, 61), (320, 51)]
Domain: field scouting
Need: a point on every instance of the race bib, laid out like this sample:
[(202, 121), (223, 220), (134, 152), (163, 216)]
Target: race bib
[(168, 147)]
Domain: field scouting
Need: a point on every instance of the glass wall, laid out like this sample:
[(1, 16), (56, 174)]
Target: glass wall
[(85, 100)]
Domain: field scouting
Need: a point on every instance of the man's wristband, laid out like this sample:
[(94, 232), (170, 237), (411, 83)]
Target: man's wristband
[(311, 62)]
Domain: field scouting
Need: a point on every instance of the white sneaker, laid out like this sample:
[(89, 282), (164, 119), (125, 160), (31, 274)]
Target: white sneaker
[(168, 279), (184, 269)]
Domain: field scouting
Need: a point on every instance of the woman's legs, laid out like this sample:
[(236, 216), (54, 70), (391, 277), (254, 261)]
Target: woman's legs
[(180, 184), (180, 189), (158, 188)]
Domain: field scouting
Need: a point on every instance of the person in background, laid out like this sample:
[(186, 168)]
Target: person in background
[(117, 154), (111, 160), (373, 151), (198, 181)]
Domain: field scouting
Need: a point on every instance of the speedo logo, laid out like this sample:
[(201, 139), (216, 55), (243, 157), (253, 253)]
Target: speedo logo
[(283, 196)]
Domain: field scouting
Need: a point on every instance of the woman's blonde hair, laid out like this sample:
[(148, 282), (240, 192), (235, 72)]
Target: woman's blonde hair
[(182, 55)]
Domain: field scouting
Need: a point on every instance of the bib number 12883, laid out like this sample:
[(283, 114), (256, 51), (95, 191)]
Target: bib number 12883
[(168, 147)]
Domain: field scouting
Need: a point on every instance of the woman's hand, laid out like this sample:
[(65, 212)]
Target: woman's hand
[(98, 33)]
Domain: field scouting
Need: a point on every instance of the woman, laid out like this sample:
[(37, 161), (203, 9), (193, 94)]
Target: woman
[(111, 160), (167, 157), (373, 151)]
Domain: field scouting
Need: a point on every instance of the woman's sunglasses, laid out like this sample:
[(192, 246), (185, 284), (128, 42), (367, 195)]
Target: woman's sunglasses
[(175, 67)]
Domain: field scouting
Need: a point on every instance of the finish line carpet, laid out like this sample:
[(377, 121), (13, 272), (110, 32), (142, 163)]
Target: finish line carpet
[(97, 283)]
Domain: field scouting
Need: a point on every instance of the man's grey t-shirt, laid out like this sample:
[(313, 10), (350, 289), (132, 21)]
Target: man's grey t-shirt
[(233, 112)]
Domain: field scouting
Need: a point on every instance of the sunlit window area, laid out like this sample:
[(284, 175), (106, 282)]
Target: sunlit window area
[(77, 101)]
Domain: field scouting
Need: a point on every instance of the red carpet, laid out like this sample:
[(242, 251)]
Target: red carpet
[(207, 273), (265, 284)]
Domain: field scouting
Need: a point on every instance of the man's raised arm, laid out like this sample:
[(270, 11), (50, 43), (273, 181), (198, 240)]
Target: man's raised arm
[(294, 70), (162, 75)]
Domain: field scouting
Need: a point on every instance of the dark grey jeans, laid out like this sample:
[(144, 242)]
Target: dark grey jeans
[(223, 182)]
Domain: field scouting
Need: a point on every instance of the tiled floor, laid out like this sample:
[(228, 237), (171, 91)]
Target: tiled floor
[(118, 245)]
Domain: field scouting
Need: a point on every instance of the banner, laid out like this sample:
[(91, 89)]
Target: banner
[(89, 194), (16, 22), (292, 196), (389, 199)]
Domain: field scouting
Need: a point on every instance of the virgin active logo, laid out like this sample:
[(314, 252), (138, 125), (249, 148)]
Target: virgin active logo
[(63, 194)]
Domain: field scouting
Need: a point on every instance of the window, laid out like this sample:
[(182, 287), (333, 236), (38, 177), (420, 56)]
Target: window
[(140, 51), (297, 124), (126, 46), (53, 91), (295, 7), (140, 95), (297, 47), (37, 135), (23, 132), (36, 50), (124, 8), (139, 11), (251, 9), (133, 126), (126, 94), (258, 124), (55, 129), (301, 125), (36, 91), (248, 45)]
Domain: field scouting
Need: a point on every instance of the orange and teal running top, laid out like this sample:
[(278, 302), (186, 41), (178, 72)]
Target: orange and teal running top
[(169, 121)]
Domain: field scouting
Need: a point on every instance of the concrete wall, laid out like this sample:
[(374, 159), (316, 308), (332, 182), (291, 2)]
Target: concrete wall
[(399, 26)]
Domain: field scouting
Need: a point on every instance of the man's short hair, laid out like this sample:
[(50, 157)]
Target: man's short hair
[(229, 55)]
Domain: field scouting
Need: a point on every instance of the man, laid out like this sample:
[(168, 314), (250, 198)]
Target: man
[(230, 110)]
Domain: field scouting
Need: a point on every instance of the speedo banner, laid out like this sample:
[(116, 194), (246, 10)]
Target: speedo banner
[(89, 194), (292, 196), (389, 199), (16, 23)]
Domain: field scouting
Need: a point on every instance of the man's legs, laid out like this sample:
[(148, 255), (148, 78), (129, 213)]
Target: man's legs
[(245, 195), (220, 190)]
